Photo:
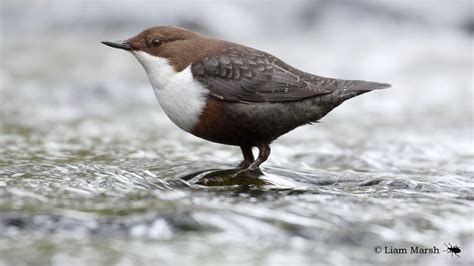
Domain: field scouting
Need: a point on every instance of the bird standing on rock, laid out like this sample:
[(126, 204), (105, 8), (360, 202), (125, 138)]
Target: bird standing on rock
[(232, 94)]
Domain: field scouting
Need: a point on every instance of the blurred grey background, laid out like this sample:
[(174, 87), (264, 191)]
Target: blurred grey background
[(423, 48)]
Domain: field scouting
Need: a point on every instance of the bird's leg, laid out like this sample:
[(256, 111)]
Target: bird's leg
[(263, 153), (248, 157)]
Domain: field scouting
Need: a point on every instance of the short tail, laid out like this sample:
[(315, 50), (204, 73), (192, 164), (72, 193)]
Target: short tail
[(352, 88), (360, 85), (345, 90)]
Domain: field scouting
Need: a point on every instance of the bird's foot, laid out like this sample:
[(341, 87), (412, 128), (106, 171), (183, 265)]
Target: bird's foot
[(244, 164), (249, 171)]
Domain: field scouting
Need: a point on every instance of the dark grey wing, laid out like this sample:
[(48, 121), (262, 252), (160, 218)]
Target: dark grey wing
[(242, 74)]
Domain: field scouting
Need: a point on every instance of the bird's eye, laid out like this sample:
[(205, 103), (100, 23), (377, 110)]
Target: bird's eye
[(156, 42)]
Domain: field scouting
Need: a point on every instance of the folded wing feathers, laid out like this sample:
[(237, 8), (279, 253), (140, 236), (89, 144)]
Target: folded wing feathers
[(262, 77)]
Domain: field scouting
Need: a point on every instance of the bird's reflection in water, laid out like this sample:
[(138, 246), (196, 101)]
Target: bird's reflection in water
[(270, 179), (226, 177)]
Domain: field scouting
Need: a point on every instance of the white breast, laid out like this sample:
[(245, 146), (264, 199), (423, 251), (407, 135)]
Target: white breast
[(181, 97)]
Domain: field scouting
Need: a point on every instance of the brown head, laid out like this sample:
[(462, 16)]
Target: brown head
[(179, 46)]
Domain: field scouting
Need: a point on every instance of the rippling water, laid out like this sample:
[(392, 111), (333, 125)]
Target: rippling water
[(92, 172)]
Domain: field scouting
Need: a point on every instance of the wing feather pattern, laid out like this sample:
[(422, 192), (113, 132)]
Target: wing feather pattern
[(242, 74)]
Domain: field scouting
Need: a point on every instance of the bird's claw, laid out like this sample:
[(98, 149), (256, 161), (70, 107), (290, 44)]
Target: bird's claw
[(248, 172), (244, 164)]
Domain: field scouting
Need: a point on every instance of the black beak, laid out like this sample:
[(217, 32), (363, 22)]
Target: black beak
[(119, 44)]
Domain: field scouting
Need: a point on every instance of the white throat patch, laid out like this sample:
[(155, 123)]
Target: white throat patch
[(181, 97)]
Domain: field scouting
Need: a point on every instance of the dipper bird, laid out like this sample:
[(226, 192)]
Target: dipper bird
[(232, 94)]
